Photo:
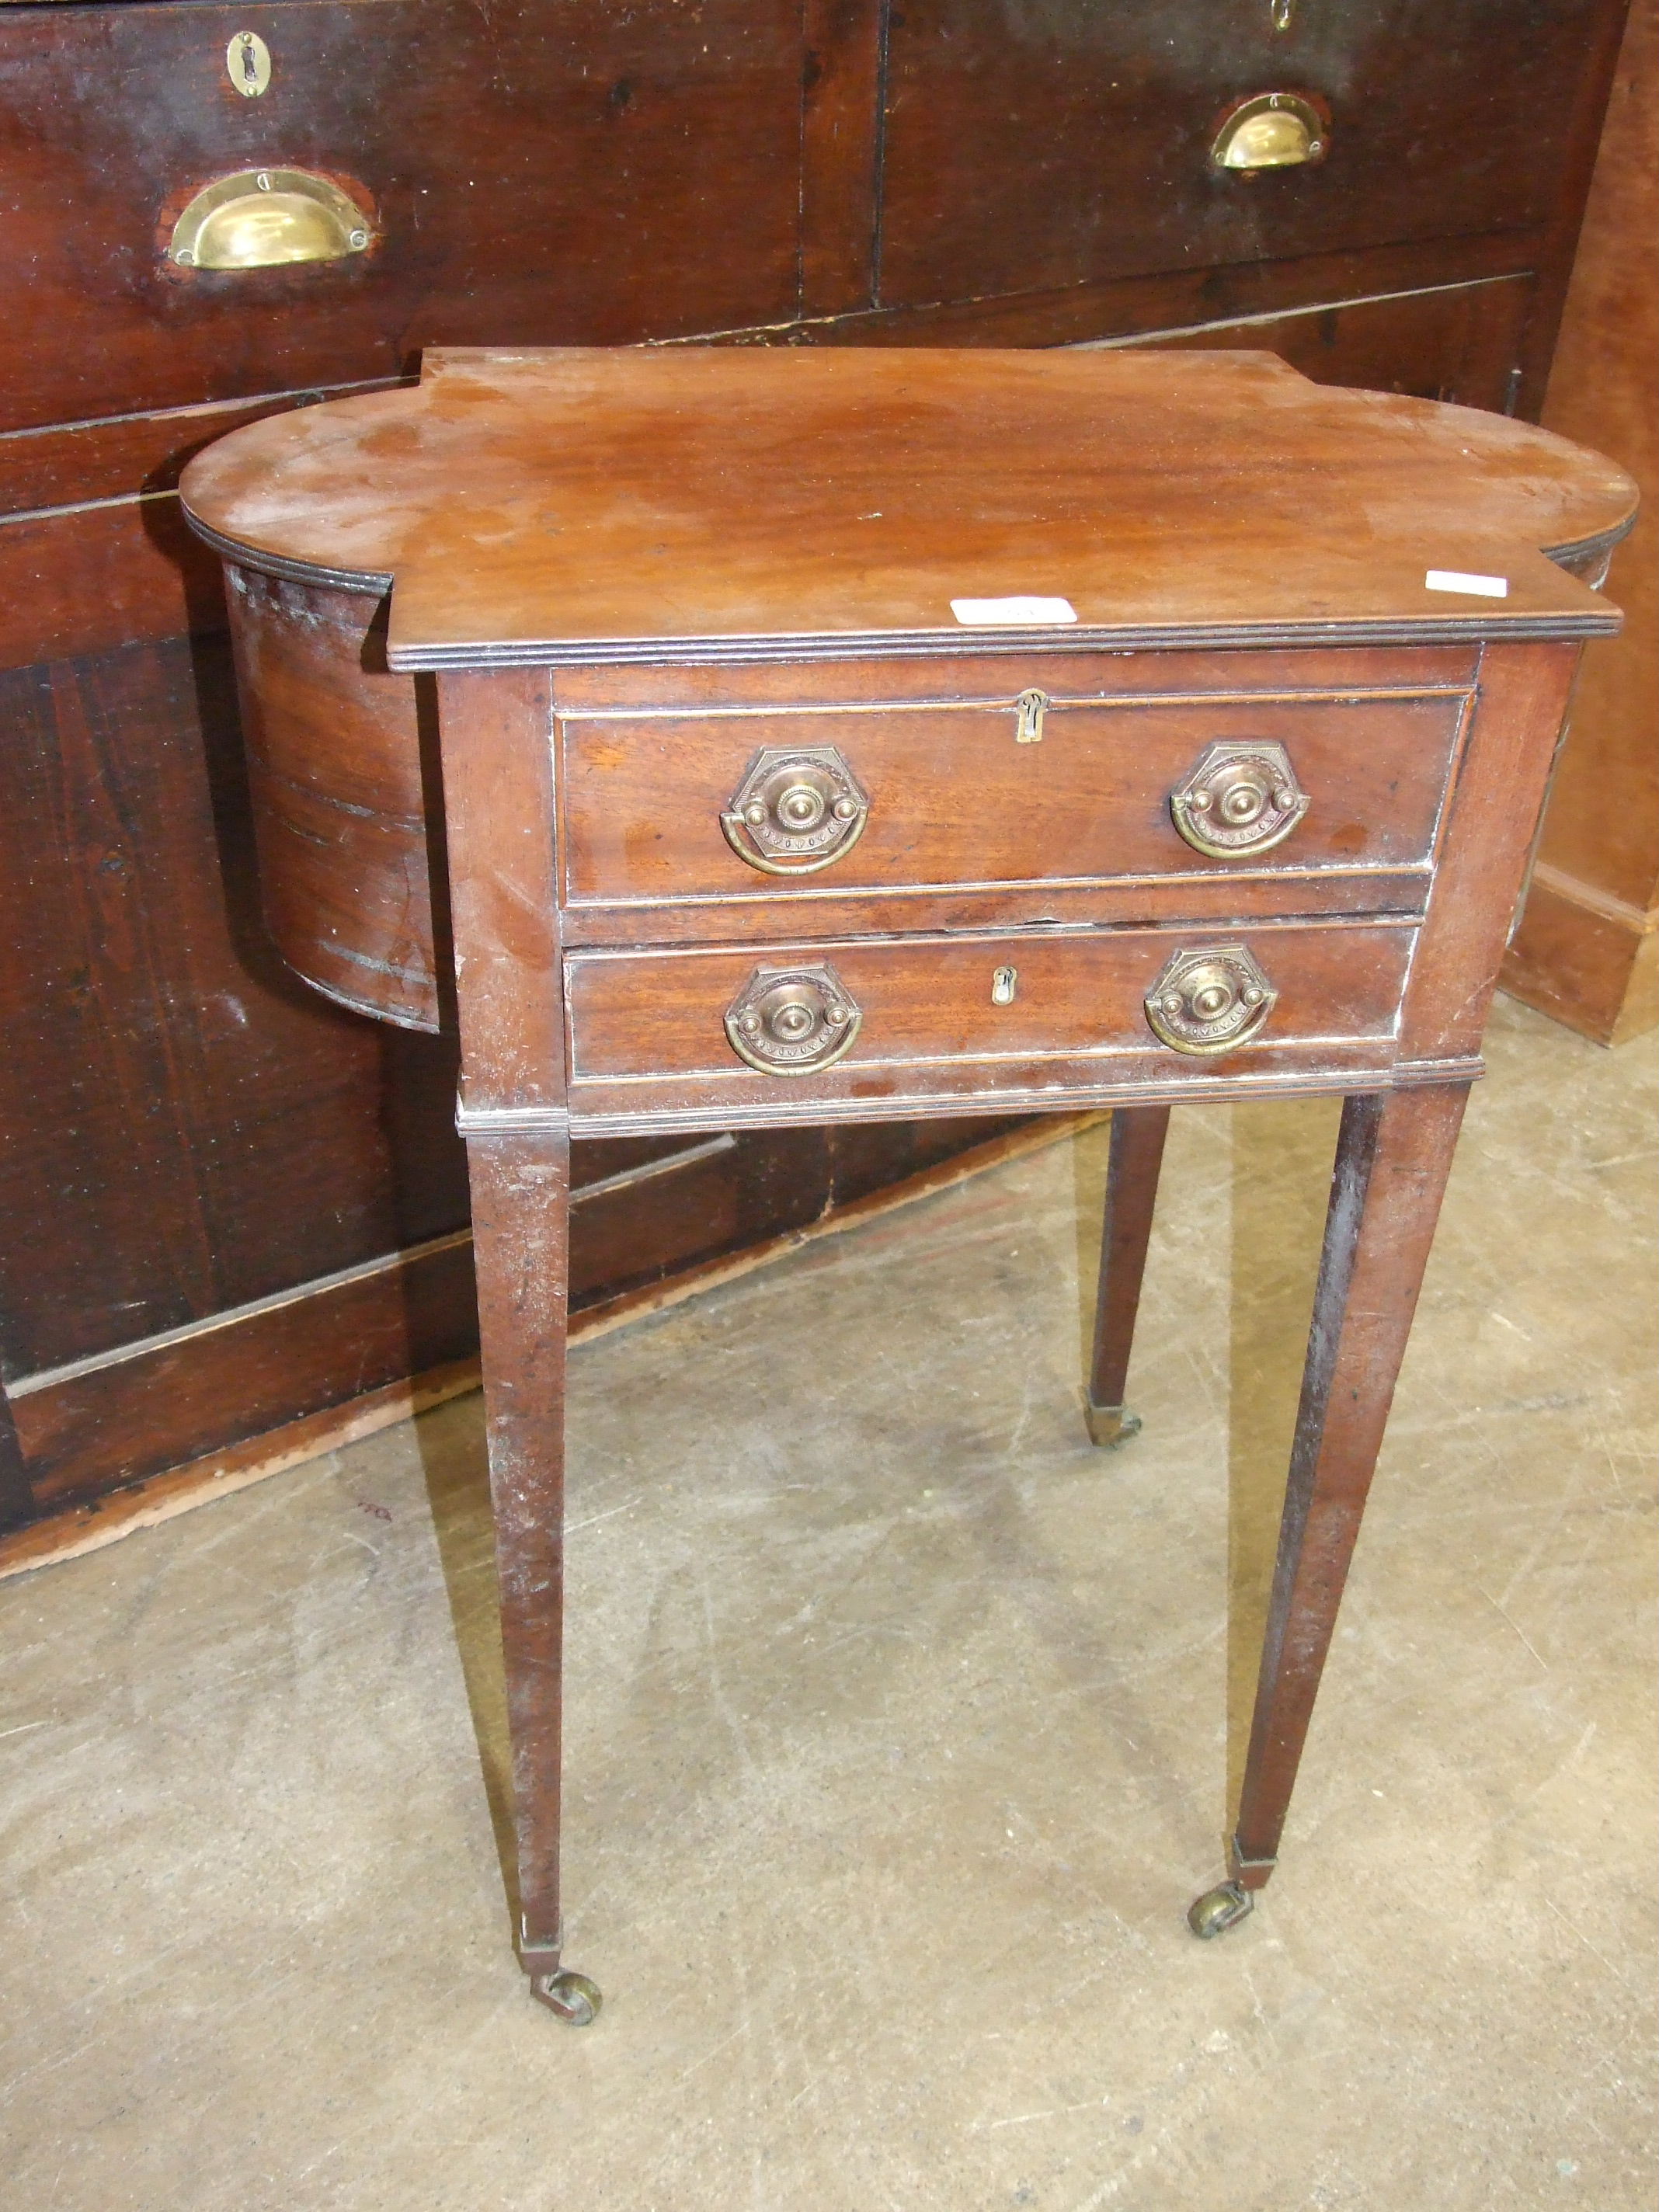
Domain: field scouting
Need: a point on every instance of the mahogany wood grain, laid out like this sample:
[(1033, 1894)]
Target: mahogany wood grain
[(540, 172), (668, 154), (842, 69), (80, 582), (1051, 666), (684, 527), (1493, 828), (187, 1127), (1364, 280), (1392, 1155), (954, 800), (521, 1217), (704, 502), (1079, 147), (1453, 342), (335, 770), (16, 1495), (1135, 1157), (503, 889), (648, 1041), (1587, 949), (61, 464)]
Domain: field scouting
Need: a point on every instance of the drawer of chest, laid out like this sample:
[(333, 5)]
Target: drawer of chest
[(1029, 789), (1005, 1010)]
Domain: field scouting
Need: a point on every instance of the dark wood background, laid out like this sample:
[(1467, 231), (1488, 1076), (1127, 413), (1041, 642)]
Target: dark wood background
[(228, 1204)]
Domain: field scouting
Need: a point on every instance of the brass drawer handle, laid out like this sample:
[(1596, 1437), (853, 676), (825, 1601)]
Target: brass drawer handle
[(1240, 795), (795, 812), (1210, 1000), (792, 1021), (265, 218), (1271, 131)]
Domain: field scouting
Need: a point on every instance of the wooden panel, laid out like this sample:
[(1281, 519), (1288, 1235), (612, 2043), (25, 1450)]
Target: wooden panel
[(339, 769), (740, 504), (535, 171), (1586, 950), (1460, 343), (955, 801), (1054, 145), (127, 454), (88, 580), (186, 1126), (841, 153), (639, 1022), (1104, 676)]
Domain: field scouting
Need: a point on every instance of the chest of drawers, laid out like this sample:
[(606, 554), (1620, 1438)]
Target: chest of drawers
[(872, 736)]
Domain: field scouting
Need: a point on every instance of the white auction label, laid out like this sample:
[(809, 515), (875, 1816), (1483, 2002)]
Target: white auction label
[(1455, 580), (1004, 614)]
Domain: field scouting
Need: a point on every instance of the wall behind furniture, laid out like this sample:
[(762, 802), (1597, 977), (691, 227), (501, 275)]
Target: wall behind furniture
[(1588, 947)]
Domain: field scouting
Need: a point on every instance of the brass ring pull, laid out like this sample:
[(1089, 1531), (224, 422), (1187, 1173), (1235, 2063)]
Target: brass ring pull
[(267, 218), (1239, 797), (1271, 131), (795, 813), (792, 1021), (1210, 1001)]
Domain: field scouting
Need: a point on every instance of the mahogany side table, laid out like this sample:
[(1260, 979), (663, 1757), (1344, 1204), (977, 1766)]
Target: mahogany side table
[(843, 735)]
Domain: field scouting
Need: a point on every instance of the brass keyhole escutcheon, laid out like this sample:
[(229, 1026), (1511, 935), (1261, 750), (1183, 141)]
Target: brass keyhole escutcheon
[(795, 813), (792, 1021), (1029, 708), (1240, 796), (1005, 982), (1210, 1000), (247, 64)]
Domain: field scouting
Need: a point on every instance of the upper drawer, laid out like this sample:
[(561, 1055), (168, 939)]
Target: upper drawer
[(756, 804), (1042, 145), (555, 173)]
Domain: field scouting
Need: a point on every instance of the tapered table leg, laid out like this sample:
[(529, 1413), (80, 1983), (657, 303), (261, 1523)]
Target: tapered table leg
[(521, 1221), (1137, 1153), (1392, 1157)]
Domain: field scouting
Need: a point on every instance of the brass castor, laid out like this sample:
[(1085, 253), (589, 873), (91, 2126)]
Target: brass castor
[(1109, 1425), (570, 1997), (1219, 1909)]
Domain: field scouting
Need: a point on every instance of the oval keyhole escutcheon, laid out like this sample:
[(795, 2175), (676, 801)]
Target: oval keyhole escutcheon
[(792, 1021)]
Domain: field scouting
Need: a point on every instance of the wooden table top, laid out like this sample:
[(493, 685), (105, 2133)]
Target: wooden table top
[(707, 503)]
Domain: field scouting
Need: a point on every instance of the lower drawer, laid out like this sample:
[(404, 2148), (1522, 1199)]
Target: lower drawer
[(796, 1029)]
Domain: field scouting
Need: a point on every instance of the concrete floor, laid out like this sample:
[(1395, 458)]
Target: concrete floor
[(899, 1733)]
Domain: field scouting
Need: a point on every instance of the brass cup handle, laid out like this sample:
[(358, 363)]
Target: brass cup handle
[(795, 812), (792, 1021), (1239, 797), (266, 219), (1210, 1000), (1271, 131)]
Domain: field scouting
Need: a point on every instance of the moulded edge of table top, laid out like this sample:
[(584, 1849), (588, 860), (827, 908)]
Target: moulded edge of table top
[(721, 504)]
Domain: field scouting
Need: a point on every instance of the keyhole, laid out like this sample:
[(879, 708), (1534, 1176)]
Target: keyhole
[(1029, 710), (247, 63), (1003, 982)]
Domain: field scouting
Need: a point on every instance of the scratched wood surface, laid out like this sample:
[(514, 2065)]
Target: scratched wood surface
[(578, 504)]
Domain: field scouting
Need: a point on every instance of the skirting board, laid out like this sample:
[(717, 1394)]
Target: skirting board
[(146, 1503), (1587, 958)]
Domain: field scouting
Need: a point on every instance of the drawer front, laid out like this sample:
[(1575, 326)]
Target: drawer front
[(1029, 149), (659, 808), (949, 1015), (532, 175)]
